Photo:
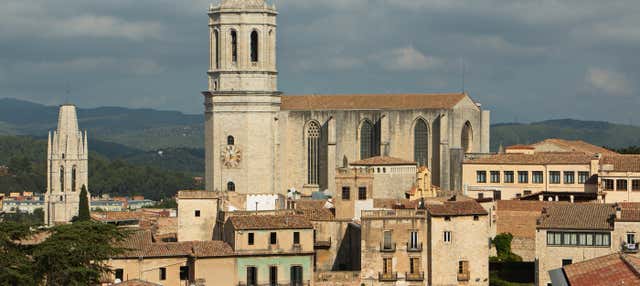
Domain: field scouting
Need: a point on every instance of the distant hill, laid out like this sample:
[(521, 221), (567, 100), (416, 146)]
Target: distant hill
[(595, 132), (144, 129)]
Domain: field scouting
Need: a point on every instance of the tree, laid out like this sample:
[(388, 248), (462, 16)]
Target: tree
[(502, 243), (83, 208), (76, 254), (16, 266)]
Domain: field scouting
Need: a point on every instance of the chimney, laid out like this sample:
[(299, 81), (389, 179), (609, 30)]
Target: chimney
[(618, 212)]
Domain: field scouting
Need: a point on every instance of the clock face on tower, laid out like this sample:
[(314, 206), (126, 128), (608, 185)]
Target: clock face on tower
[(231, 156)]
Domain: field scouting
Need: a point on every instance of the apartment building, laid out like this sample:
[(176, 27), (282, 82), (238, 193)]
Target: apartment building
[(571, 233), (439, 243), (521, 171), (619, 178)]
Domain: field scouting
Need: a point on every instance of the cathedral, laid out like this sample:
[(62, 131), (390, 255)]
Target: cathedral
[(261, 141), (67, 165)]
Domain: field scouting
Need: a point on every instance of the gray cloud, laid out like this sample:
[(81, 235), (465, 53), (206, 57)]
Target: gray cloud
[(525, 60)]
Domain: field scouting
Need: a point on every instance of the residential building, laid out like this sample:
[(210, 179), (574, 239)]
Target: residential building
[(198, 216), (391, 175), (619, 178), (517, 174), (140, 203), (355, 193), (571, 233), (107, 205), (271, 249), (22, 204), (442, 243)]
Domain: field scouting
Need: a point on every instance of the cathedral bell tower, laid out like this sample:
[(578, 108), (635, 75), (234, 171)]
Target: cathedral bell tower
[(242, 101), (67, 165)]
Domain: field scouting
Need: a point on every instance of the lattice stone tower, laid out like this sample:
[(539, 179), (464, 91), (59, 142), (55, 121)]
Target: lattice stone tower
[(242, 102), (67, 165)]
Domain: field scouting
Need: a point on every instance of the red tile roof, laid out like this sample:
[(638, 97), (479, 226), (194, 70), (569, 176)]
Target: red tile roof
[(575, 146), (613, 269), (141, 244), (212, 248), (382, 161), (622, 163), (260, 222), (542, 158), (456, 208), (371, 101), (314, 210), (588, 216)]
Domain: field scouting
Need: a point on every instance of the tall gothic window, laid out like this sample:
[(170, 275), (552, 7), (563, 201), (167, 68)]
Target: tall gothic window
[(313, 153), (234, 47), (73, 179), (369, 140), (254, 46), (217, 48), (467, 137), (420, 143), (62, 178)]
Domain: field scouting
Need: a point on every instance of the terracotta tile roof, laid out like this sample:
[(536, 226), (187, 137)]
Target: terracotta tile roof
[(622, 163), (382, 161), (588, 216), (520, 147), (394, 204), (542, 158), (212, 248), (575, 146), (526, 206), (629, 215), (456, 208), (136, 282), (141, 244), (371, 101), (314, 210), (260, 222), (612, 269)]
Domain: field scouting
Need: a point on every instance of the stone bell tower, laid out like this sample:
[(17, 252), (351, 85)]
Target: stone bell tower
[(67, 165), (242, 101)]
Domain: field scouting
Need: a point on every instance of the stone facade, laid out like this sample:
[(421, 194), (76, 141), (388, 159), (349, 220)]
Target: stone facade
[(67, 168), (259, 141), (198, 214)]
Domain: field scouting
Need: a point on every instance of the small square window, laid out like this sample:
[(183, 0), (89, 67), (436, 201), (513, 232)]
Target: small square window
[(447, 218), (273, 238), (566, 262), (447, 236), (197, 213), (362, 193), (250, 240), (296, 237), (346, 193), (476, 217), (184, 273), (163, 273)]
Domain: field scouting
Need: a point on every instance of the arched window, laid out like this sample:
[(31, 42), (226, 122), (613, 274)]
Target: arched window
[(313, 153), (234, 46), (369, 140), (254, 46), (231, 187), (231, 140), (467, 138), (73, 179), (217, 48), (420, 143), (61, 178)]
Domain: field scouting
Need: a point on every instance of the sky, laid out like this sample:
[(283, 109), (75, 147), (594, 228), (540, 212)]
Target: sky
[(525, 60)]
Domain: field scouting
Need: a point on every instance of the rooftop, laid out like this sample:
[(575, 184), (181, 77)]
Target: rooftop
[(613, 269), (588, 216), (141, 244), (197, 194), (382, 161), (622, 163), (572, 146), (136, 282), (266, 222), (371, 101), (456, 208), (314, 210), (543, 158)]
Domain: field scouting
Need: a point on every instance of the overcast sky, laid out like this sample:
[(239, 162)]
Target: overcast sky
[(525, 60)]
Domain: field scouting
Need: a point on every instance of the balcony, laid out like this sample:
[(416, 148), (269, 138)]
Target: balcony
[(415, 248), (322, 244), (418, 276), (391, 247), (630, 247), (389, 276), (463, 276)]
